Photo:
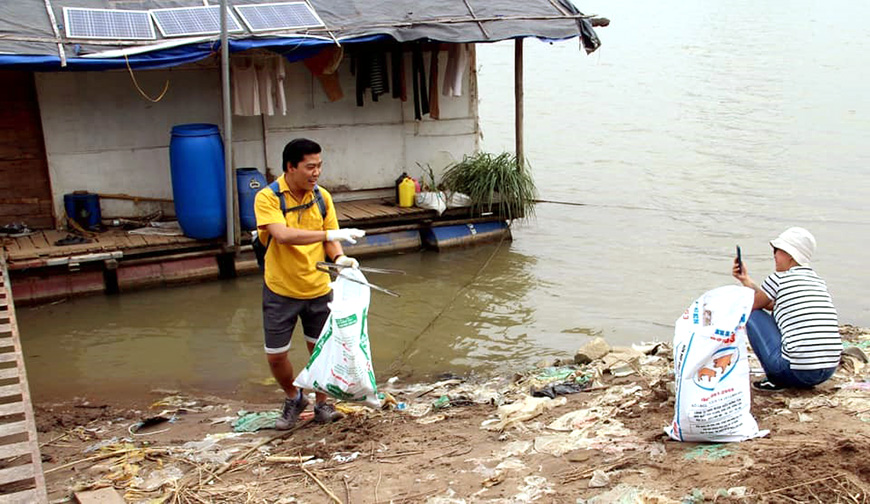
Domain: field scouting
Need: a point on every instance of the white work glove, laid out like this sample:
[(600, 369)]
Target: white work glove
[(348, 234), (344, 260)]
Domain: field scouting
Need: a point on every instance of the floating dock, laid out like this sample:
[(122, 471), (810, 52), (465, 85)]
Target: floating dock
[(117, 261)]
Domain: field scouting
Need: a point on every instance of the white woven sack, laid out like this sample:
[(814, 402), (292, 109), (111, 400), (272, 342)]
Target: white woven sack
[(711, 369), (341, 362)]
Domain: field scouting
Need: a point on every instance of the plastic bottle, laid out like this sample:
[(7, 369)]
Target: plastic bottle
[(406, 193)]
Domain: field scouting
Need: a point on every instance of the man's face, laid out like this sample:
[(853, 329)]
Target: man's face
[(305, 174)]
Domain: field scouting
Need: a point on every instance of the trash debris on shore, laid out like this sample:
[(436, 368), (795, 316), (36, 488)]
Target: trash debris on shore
[(586, 429)]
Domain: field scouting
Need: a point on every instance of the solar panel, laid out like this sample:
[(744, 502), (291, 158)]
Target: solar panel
[(107, 24), (193, 21), (278, 16)]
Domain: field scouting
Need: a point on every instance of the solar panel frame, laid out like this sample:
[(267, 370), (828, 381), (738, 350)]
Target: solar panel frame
[(254, 27), (233, 25), (73, 33)]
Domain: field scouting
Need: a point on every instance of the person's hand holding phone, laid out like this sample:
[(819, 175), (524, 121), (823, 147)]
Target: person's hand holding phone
[(738, 269)]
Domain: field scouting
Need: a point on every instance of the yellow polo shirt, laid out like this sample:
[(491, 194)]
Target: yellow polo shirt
[(291, 269)]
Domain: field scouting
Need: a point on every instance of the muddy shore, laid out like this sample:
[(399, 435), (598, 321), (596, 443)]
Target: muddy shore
[(445, 442)]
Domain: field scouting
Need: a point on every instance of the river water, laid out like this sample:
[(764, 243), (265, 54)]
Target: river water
[(696, 127)]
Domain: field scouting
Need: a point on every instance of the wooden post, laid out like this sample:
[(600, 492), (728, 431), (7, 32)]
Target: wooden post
[(231, 236), (518, 98)]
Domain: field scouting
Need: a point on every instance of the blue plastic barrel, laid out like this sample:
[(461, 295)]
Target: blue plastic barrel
[(84, 208), (196, 160), (249, 181)]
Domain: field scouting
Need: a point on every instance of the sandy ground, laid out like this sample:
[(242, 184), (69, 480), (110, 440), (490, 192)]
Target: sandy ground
[(817, 449)]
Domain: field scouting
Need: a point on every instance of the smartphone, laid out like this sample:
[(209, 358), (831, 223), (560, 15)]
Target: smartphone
[(739, 260)]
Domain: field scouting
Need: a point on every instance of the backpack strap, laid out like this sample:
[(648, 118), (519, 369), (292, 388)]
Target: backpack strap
[(318, 198), (277, 190)]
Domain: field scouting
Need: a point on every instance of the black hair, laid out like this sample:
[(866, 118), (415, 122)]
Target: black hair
[(297, 149)]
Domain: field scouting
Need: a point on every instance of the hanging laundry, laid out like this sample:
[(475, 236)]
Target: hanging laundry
[(359, 66), (454, 74), (280, 77), (397, 71), (265, 78), (246, 89), (324, 66), (418, 81), (434, 109), (379, 81)]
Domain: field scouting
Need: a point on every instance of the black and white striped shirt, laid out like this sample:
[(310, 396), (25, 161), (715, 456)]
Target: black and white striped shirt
[(806, 317)]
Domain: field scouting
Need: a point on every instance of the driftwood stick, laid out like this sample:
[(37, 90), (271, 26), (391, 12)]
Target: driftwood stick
[(321, 485), (103, 456), (783, 489), (133, 198)]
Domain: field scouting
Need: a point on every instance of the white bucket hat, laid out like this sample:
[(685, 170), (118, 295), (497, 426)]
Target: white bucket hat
[(796, 242)]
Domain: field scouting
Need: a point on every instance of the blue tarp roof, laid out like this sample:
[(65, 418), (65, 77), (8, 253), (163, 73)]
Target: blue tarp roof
[(28, 41)]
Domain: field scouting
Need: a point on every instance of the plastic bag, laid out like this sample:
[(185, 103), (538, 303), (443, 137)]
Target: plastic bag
[(341, 362), (458, 200), (431, 201), (711, 369)]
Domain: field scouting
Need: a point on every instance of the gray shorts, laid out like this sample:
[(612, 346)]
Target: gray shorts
[(280, 314)]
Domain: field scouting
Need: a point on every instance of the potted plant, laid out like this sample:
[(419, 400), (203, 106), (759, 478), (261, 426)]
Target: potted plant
[(495, 183)]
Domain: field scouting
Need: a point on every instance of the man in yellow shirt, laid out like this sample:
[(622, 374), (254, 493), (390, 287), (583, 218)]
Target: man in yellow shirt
[(303, 234)]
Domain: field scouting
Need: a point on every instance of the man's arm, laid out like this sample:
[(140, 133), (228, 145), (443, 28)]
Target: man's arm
[(742, 275), (292, 236), (333, 249)]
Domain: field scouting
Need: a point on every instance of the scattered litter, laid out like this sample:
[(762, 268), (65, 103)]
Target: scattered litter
[(803, 417), (209, 449), (252, 422), (289, 459), (708, 452), (448, 497), (441, 402), (557, 389), (157, 228), (534, 488), (137, 427), (174, 401), (161, 477), (626, 494), (735, 492), (103, 444), (430, 419), (525, 409), (345, 457), (419, 409), (599, 479), (580, 419), (512, 449)]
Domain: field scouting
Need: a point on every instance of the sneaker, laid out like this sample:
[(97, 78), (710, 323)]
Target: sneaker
[(292, 409), (766, 385), (325, 413)]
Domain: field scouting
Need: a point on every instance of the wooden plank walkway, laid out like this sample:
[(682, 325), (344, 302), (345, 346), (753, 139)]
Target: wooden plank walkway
[(31, 250), (21, 477)]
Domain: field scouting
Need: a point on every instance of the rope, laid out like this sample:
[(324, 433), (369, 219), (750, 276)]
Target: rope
[(449, 304), (141, 92)]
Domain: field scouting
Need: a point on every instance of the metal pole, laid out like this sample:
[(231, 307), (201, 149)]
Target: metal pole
[(518, 99), (228, 126)]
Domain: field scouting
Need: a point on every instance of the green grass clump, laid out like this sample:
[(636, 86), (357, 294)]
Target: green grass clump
[(495, 183)]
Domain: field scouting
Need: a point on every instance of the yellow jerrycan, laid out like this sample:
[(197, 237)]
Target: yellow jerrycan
[(406, 193)]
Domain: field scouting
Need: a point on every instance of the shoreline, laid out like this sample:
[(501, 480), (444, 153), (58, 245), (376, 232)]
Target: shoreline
[(445, 442)]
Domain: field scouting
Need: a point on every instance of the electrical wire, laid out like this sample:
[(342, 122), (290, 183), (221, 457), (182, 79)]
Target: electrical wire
[(141, 92)]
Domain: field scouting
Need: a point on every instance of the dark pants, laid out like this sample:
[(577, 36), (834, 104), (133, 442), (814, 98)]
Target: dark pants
[(766, 341)]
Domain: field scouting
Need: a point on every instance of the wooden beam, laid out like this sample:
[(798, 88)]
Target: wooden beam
[(518, 101)]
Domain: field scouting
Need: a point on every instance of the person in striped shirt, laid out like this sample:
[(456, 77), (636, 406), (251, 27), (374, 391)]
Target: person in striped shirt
[(799, 346)]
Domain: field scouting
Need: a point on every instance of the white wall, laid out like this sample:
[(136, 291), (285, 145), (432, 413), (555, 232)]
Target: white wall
[(101, 135)]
